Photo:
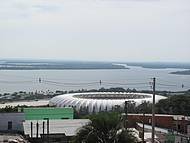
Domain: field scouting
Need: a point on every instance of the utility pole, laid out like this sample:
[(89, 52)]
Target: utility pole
[(126, 114), (31, 127), (47, 129), (37, 129), (143, 127), (153, 110)]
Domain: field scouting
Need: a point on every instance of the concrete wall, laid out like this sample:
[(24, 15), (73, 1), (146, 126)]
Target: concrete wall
[(16, 119)]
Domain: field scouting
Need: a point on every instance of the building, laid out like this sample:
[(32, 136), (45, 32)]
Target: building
[(100, 101), (41, 124), (11, 122), (41, 128), (162, 135), (178, 123), (51, 124), (48, 113)]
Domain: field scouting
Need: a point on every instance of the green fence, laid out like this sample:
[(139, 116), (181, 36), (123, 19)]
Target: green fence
[(50, 113)]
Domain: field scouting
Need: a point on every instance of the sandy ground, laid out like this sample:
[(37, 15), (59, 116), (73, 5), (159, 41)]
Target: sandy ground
[(28, 103)]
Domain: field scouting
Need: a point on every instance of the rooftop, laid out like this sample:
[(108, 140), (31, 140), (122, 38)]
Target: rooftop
[(69, 126), (175, 117)]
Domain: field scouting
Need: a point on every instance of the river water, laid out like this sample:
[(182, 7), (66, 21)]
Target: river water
[(135, 77)]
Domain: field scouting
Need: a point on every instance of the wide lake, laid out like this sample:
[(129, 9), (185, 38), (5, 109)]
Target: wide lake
[(52, 80)]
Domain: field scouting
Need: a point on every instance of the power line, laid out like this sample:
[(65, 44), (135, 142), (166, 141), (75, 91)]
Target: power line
[(172, 85), (18, 76), (15, 82), (64, 85), (166, 84), (166, 81), (70, 83), (118, 83), (96, 83)]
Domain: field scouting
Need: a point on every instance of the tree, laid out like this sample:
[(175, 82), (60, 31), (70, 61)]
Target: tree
[(177, 104), (145, 107), (104, 128)]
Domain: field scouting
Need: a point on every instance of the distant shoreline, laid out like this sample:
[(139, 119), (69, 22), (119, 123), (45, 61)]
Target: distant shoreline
[(86, 65), (161, 65), (186, 72), (63, 68), (58, 65)]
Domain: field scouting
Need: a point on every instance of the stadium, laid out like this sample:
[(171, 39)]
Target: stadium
[(100, 101)]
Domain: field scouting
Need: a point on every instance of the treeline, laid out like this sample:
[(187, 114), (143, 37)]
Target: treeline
[(18, 108), (175, 105), (178, 104), (11, 109), (113, 89)]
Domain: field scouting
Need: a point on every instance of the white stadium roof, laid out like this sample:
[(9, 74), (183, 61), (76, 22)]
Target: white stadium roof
[(100, 101)]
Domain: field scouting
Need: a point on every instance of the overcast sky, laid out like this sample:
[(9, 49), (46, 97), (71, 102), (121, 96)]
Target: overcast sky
[(96, 30)]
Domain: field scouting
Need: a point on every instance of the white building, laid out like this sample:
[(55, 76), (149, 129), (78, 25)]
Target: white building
[(100, 101)]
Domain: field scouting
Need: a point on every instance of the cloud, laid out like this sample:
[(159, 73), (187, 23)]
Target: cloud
[(17, 9), (46, 7)]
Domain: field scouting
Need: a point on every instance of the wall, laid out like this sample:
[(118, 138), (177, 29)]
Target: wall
[(15, 118), (160, 121), (163, 121)]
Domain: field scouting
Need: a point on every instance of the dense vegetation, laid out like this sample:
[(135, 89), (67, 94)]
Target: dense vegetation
[(176, 105), (105, 128), (11, 109), (179, 104)]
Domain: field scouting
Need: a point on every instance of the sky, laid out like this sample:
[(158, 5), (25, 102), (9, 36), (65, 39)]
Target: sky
[(96, 30)]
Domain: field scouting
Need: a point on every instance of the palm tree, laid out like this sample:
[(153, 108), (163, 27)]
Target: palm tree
[(104, 128)]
